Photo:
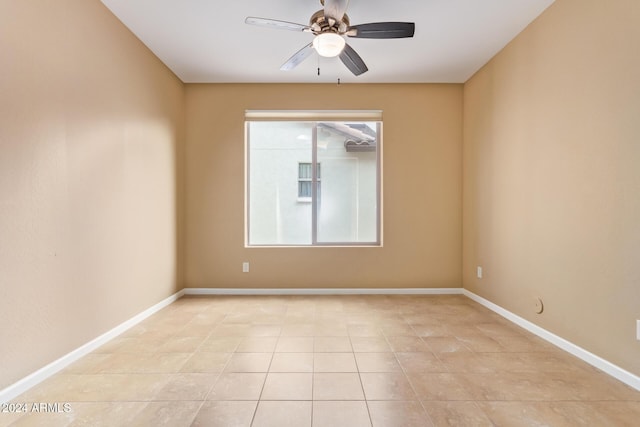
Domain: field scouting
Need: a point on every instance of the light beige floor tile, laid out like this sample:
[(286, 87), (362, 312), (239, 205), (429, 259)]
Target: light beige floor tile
[(398, 330), (387, 386), (480, 363), (331, 330), (420, 362), (297, 329), (10, 417), (523, 344), (406, 344), (238, 318), (187, 387), (500, 329), (204, 318), (98, 387), (128, 387), (195, 330), (366, 330), (237, 386), (181, 345), (150, 332), (337, 386), (282, 414), (292, 362), (587, 414), (370, 344), (398, 414), (445, 344), (481, 343), (520, 414), (556, 361), (257, 345), (139, 344), (264, 330), (38, 419), (460, 329), (287, 386), (523, 386), (441, 386), (458, 414), (469, 362), (249, 362), (170, 414), (132, 363), (231, 331), (596, 386), (332, 344), (226, 414), (220, 344), (334, 362), (203, 362), (340, 414), (105, 414), (430, 330), (377, 362), (89, 364), (295, 345)]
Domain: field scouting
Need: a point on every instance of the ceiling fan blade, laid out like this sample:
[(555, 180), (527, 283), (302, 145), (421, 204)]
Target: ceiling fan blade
[(382, 30), (352, 60), (297, 58), (335, 9), (273, 23)]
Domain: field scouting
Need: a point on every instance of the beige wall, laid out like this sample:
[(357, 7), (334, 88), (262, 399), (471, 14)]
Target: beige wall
[(90, 125), (552, 176), (422, 189)]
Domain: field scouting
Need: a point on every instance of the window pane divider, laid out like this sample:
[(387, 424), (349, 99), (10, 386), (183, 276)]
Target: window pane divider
[(314, 184)]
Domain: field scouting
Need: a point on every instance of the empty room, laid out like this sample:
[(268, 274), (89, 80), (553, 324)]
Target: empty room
[(319, 213)]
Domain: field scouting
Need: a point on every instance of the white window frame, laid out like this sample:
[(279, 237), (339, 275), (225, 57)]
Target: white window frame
[(315, 117)]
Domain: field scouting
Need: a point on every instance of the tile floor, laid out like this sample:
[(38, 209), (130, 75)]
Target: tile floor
[(330, 361)]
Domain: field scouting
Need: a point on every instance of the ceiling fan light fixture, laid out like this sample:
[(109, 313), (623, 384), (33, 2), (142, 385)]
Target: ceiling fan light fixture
[(329, 44)]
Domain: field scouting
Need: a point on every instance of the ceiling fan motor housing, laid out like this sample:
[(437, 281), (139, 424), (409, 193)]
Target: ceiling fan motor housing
[(320, 24)]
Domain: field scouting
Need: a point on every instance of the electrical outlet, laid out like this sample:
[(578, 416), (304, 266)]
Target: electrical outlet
[(245, 267), (479, 272)]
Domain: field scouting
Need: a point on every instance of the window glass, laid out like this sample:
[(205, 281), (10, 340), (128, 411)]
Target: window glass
[(313, 183)]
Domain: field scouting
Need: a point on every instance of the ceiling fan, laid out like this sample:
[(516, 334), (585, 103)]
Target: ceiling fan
[(329, 26)]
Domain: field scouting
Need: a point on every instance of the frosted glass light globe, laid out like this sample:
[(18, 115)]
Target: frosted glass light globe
[(329, 44)]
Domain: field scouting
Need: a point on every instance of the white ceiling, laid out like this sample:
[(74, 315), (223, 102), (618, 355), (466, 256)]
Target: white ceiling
[(207, 41)]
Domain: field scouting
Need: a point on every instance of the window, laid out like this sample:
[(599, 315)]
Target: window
[(313, 178), (305, 182)]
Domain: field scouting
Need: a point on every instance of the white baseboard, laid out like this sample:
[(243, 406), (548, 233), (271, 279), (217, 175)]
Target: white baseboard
[(41, 374), (324, 291), (596, 361)]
